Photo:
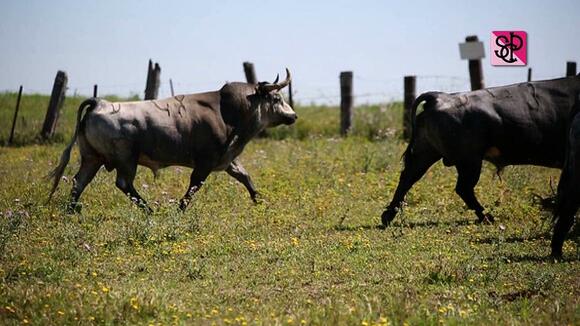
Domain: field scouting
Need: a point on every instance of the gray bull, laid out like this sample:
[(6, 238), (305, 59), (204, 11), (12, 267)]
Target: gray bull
[(518, 124), (205, 131)]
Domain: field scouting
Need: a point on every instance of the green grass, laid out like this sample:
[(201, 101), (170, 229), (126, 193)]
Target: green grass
[(310, 252)]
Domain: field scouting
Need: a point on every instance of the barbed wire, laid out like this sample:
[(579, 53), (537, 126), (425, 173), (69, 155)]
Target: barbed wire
[(390, 88)]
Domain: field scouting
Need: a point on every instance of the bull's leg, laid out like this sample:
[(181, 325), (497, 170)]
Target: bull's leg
[(568, 197), (237, 171), (125, 177), (86, 173), (467, 178), (563, 224), (416, 164), (196, 180)]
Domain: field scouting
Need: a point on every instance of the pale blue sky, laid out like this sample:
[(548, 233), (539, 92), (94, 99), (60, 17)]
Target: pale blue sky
[(200, 45)]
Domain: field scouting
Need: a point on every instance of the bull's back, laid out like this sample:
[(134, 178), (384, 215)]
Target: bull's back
[(534, 118), (517, 124), (168, 132)]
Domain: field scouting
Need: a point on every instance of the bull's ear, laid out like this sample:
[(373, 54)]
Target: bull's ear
[(259, 89)]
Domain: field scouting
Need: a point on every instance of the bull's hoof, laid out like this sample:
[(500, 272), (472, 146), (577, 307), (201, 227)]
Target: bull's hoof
[(388, 216), (257, 198), (183, 205), (148, 210), (486, 218), (556, 254), (74, 208)]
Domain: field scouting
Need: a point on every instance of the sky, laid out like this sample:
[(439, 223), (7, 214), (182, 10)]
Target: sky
[(201, 45)]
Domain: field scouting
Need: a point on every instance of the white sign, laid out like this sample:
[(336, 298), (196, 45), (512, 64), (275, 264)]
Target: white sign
[(471, 50)]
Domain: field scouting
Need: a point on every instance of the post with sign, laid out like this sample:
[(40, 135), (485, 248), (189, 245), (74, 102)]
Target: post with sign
[(472, 50)]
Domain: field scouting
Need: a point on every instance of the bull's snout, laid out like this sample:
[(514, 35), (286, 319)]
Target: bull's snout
[(290, 118)]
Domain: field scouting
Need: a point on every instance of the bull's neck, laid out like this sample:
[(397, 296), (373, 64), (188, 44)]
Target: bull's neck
[(241, 133)]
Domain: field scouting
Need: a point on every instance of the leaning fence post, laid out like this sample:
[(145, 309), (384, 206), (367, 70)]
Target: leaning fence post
[(171, 87), (475, 70), (570, 68), (15, 116), (55, 104), (153, 81), (346, 102), (149, 76), (529, 74), (250, 73), (410, 94)]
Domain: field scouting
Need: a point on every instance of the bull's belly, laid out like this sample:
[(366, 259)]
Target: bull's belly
[(116, 143), (504, 157), (155, 165)]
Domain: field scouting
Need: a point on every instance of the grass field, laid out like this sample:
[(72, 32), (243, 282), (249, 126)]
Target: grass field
[(310, 253)]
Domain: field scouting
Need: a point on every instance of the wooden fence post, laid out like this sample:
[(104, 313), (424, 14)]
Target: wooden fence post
[(529, 74), (250, 73), (290, 100), (410, 83), (171, 87), (252, 79), (15, 116), (95, 90), (346, 102), (475, 70), (570, 68), (55, 104), (153, 81)]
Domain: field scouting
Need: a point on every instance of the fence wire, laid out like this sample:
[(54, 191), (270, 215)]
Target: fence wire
[(376, 90)]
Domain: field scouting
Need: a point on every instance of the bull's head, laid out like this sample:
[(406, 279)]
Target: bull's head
[(273, 109)]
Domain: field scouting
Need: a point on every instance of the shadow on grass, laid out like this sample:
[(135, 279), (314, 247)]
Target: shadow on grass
[(540, 258), (514, 239), (430, 224), (359, 227), (548, 204), (404, 224), (518, 295)]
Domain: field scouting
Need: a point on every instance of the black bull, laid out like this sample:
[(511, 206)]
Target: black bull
[(518, 124)]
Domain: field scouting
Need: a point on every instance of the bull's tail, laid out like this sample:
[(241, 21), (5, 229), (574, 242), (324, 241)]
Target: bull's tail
[(56, 173), (425, 97)]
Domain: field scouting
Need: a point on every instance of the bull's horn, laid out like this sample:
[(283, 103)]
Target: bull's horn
[(277, 78), (276, 85), (286, 81)]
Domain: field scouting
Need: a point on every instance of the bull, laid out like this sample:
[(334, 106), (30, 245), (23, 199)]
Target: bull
[(205, 131), (518, 124)]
